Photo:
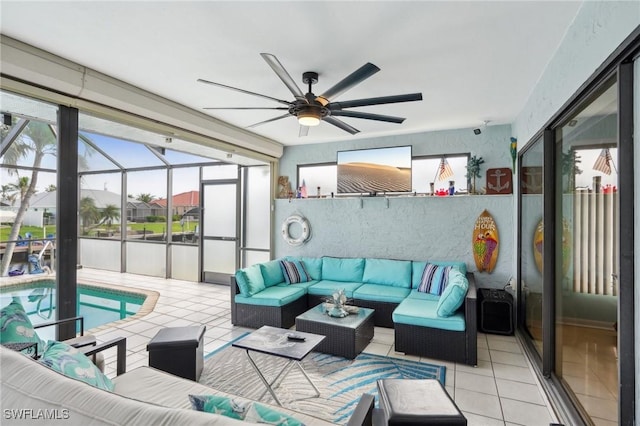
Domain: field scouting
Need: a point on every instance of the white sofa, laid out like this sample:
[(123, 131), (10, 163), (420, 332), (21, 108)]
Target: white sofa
[(143, 396)]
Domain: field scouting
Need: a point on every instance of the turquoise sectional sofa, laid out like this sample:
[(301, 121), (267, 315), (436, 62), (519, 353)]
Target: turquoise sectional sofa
[(426, 323)]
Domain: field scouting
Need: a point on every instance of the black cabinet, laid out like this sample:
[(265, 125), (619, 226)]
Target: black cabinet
[(495, 313)]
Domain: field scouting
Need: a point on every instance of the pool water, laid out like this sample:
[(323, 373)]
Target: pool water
[(98, 305)]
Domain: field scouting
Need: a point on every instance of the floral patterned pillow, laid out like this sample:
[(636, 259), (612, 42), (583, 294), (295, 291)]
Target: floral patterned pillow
[(16, 327), (71, 362), (237, 408)]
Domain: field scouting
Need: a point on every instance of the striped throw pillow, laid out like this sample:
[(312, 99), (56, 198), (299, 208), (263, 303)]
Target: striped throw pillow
[(294, 271), (434, 279)]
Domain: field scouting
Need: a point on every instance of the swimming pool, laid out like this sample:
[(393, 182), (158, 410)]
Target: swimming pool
[(98, 305)]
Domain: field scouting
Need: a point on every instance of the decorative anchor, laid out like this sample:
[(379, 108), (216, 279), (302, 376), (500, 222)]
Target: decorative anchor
[(499, 188)]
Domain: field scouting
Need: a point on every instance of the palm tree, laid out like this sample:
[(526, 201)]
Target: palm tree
[(37, 140), (89, 213), (145, 198), (109, 213)]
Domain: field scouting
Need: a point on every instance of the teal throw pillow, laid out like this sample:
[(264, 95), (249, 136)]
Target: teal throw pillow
[(234, 408), (250, 280), (16, 327), (271, 273), (259, 413), (71, 362), (294, 271), (453, 296), (241, 409)]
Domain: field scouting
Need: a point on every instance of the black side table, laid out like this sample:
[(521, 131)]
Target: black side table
[(179, 351), (495, 311)]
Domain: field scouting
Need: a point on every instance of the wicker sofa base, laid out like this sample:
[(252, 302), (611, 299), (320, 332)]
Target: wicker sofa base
[(434, 343), (255, 316), (382, 316)]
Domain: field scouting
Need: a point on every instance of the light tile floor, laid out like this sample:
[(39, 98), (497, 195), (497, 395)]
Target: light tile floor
[(501, 390)]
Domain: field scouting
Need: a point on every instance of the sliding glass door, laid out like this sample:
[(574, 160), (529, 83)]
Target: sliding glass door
[(587, 255)]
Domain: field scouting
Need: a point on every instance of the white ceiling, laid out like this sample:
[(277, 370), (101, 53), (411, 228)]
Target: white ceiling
[(473, 61)]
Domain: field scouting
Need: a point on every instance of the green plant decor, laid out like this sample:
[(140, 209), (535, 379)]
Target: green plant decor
[(473, 171)]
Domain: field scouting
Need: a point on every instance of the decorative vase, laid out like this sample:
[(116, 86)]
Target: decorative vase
[(338, 300)]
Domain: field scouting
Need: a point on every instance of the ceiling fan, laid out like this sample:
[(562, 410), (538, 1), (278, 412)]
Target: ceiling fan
[(310, 109)]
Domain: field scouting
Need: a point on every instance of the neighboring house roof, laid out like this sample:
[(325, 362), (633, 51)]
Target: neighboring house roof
[(185, 199)]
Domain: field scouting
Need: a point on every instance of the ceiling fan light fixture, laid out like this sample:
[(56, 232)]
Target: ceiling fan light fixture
[(308, 118)]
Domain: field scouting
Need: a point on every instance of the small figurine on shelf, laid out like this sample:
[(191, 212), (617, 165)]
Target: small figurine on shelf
[(452, 188)]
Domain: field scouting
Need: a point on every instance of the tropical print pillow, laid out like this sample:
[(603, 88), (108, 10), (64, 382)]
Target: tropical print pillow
[(240, 409), (71, 362), (16, 327)]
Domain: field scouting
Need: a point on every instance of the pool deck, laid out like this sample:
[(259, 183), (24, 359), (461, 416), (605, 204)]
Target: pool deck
[(501, 390)]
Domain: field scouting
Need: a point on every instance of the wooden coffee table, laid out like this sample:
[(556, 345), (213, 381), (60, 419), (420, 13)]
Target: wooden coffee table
[(346, 337), (274, 341)]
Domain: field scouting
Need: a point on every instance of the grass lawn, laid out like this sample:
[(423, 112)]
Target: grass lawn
[(151, 228)]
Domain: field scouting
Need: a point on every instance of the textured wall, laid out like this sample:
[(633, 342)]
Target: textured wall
[(598, 29), (415, 228)]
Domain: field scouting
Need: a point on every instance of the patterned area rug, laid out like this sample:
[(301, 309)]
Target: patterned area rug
[(341, 381)]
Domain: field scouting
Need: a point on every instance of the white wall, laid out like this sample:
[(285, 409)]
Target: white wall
[(598, 29)]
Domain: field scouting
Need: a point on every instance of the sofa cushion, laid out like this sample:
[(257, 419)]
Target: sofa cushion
[(415, 294), (396, 273), (381, 293), (250, 280), (418, 269), (273, 296), (453, 296), (313, 266), (434, 279), (327, 288), (423, 313), (304, 285), (271, 273), (16, 326), (339, 269), (69, 361), (294, 271), (30, 386)]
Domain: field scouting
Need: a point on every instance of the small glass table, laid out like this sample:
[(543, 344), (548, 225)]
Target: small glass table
[(274, 341), (346, 337)]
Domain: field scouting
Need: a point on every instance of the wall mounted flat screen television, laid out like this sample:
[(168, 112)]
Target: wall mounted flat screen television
[(374, 170)]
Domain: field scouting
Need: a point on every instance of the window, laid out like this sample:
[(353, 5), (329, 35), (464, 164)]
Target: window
[(314, 176), (426, 170)]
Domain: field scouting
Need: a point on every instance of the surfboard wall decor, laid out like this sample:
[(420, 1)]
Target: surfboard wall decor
[(485, 242)]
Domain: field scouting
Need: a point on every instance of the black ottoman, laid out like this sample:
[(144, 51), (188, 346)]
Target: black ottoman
[(178, 350), (417, 402)]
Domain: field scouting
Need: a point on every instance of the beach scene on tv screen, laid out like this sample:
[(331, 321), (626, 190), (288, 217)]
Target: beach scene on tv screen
[(374, 170)]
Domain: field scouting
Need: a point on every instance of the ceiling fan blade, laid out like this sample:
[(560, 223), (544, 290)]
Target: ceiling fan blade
[(356, 77), (277, 67), (341, 124), (243, 91), (376, 101), (368, 116), (278, 108), (269, 120), (304, 131)]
